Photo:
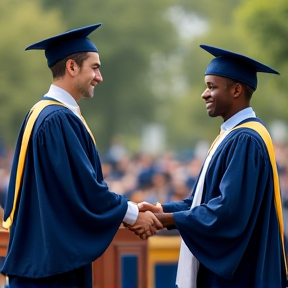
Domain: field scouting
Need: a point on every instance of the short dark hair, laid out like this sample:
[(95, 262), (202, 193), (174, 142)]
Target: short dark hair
[(248, 91), (58, 69)]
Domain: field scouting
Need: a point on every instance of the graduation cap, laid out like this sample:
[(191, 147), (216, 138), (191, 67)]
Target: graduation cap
[(67, 43), (235, 66)]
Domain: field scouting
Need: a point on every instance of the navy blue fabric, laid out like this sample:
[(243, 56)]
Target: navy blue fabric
[(129, 271), (165, 275), (234, 233), (80, 277), (66, 215), (235, 66)]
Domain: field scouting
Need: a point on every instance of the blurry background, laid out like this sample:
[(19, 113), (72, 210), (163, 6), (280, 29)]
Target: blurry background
[(151, 63), (147, 116)]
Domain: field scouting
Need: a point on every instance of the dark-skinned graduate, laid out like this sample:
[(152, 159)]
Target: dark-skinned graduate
[(231, 225), (60, 212)]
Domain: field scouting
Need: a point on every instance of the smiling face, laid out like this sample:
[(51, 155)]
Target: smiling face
[(88, 76), (220, 96)]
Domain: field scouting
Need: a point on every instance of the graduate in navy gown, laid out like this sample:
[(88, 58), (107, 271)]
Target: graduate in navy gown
[(59, 210), (231, 226)]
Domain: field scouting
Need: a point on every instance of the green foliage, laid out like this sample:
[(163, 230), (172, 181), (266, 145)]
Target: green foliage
[(22, 75), (152, 71), (131, 32), (256, 28), (264, 26), (265, 23)]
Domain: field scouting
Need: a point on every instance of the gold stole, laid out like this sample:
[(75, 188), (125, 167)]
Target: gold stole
[(34, 112), (262, 131)]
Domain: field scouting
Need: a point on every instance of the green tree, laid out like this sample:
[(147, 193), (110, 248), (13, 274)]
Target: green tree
[(264, 24), (23, 77), (131, 33), (152, 65), (255, 28)]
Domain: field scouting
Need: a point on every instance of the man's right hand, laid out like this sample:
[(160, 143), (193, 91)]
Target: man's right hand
[(146, 225)]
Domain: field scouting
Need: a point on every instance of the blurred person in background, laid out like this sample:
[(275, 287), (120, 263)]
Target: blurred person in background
[(4, 179), (193, 169), (59, 210), (232, 224), (180, 190), (160, 189)]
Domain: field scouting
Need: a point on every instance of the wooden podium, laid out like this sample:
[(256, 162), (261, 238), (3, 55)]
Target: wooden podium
[(4, 237), (124, 263)]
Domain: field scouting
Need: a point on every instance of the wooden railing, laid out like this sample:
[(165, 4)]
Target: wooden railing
[(4, 237), (130, 261)]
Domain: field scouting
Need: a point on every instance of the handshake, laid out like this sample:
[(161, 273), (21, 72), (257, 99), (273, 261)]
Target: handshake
[(150, 219)]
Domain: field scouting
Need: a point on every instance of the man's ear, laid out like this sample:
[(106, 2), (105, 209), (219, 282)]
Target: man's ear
[(72, 67), (237, 89)]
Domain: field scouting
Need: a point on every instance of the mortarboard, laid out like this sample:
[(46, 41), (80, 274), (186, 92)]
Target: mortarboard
[(235, 66), (67, 43)]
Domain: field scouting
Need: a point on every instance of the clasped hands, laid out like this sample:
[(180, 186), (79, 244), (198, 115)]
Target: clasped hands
[(147, 223)]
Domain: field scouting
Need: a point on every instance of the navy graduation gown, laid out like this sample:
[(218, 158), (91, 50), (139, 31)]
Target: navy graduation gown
[(66, 215), (234, 233)]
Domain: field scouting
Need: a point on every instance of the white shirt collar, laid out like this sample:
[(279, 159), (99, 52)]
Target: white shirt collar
[(237, 118), (64, 97)]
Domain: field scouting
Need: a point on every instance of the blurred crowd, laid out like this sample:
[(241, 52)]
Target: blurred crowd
[(281, 151), (146, 177), (169, 176), (6, 157)]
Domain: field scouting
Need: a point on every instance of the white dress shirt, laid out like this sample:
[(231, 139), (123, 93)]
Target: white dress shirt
[(237, 118)]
